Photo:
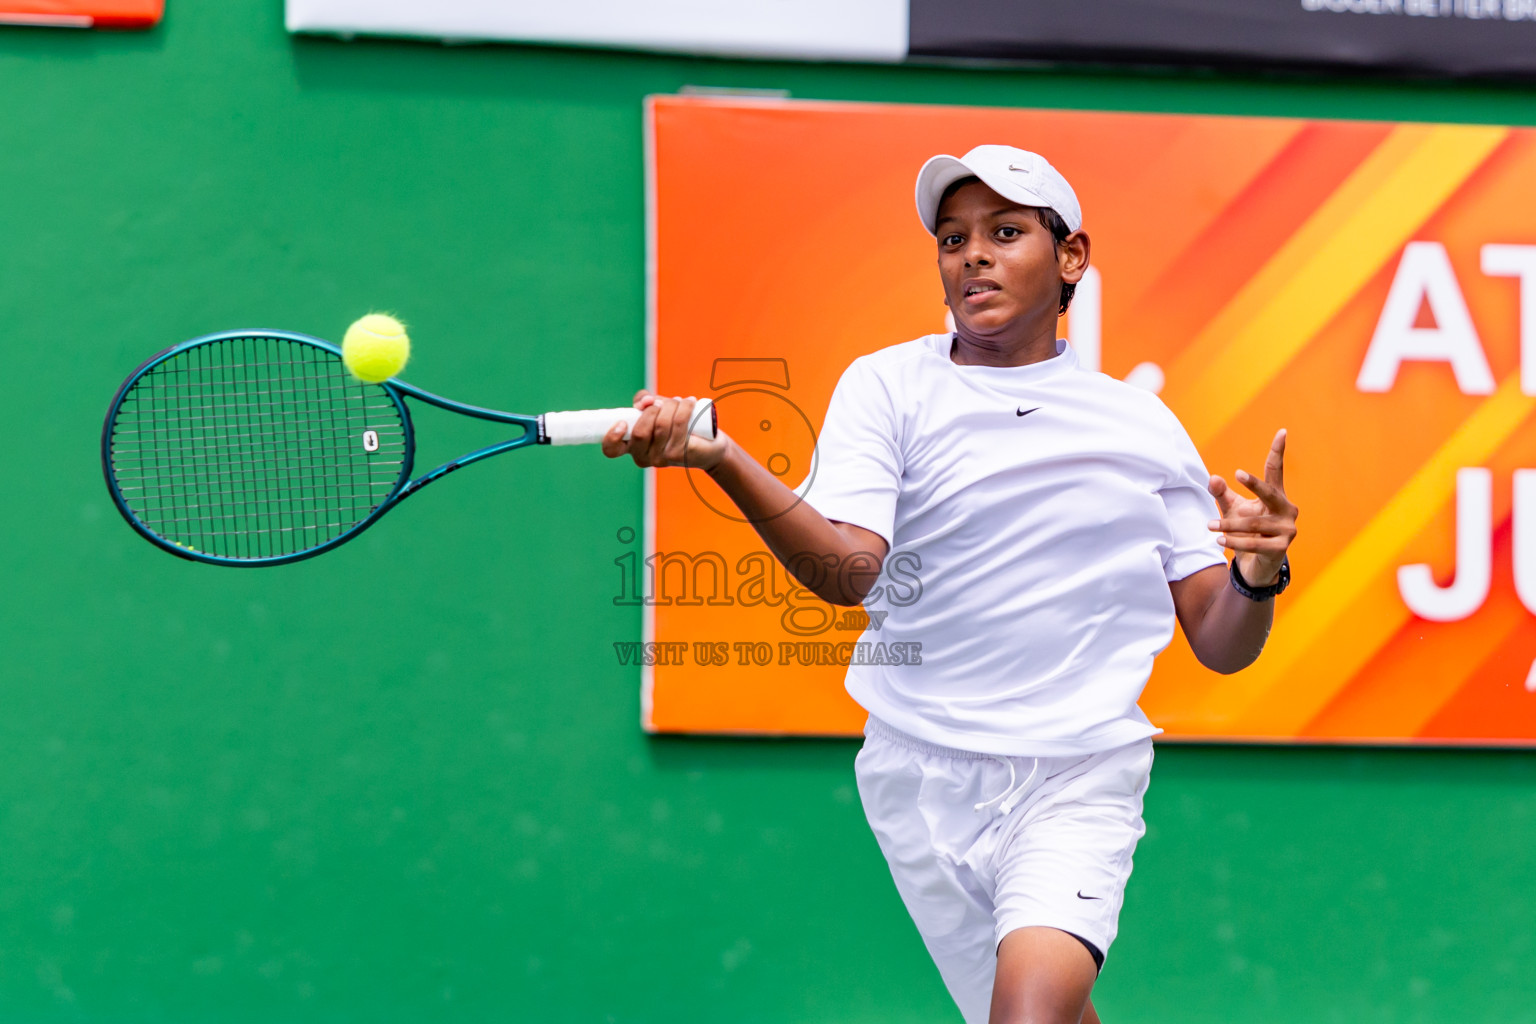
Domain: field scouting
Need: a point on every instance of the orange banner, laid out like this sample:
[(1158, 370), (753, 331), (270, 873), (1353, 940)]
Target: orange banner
[(82, 13), (1371, 287)]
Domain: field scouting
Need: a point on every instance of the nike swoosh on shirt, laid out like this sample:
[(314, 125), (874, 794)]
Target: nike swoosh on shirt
[(1082, 897), (1026, 412)]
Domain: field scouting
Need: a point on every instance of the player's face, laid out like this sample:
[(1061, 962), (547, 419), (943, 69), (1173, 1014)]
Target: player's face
[(999, 264)]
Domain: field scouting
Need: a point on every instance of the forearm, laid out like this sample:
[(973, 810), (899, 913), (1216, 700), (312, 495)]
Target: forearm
[(1231, 633), (828, 558), (838, 562)]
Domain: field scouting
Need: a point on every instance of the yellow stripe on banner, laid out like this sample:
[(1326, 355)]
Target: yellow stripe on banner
[(1295, 678), (1362, 225)]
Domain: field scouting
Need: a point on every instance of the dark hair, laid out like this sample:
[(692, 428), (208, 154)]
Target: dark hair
[(1048, 218)]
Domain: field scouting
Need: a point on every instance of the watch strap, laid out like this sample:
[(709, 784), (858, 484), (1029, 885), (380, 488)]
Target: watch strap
[(1253, 593)]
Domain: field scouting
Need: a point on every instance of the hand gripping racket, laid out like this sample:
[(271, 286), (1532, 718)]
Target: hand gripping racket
[(259, 448)]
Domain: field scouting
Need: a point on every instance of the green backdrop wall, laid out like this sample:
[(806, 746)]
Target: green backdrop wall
[(405, 782)]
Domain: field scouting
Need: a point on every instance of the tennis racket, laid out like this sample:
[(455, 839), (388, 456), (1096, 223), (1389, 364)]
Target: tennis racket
[(259, 448)]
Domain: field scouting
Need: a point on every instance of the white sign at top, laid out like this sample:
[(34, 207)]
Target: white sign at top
[(858, 30)]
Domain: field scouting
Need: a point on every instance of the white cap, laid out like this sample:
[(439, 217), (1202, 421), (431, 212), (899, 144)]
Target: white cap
[(1025, 178)]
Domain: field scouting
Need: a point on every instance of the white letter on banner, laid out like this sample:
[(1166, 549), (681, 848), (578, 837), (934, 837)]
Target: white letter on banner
[(1525, 537), (1084, 320), (1519, 261), (1425, 275), (1474, 557)]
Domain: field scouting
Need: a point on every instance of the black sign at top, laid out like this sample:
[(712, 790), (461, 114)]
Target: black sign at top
[(1466, 38)]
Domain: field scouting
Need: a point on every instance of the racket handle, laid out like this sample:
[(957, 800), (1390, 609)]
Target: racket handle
[(590, 426)]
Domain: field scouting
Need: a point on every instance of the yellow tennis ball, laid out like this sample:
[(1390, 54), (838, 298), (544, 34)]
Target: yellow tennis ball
[(375, 348)]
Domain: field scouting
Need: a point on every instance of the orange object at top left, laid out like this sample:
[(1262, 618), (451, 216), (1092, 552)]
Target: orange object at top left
[(82, 13)]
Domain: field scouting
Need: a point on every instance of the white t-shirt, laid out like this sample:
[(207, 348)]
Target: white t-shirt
[(1035, 515)]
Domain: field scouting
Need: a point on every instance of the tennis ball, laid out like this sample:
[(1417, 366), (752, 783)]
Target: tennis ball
[(375, 348)]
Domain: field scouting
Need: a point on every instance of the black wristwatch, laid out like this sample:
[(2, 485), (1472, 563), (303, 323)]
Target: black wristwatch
[(1262, 593)]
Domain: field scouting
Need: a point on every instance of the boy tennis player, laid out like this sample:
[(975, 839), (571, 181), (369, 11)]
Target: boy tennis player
[(1061, 520)]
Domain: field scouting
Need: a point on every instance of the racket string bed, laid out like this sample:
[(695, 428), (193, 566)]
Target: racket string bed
[(254, 448)]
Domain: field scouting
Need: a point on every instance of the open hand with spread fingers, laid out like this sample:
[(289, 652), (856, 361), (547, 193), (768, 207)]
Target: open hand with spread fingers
[(1261, 528)]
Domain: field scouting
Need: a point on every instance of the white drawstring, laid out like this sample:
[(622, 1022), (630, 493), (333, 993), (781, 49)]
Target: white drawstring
[(1007, 795)]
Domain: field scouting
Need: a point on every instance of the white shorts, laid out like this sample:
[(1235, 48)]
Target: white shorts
[(1050, 845)]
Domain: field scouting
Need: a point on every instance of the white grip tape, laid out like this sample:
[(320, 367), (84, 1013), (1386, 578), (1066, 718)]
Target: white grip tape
[(590, 426)]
